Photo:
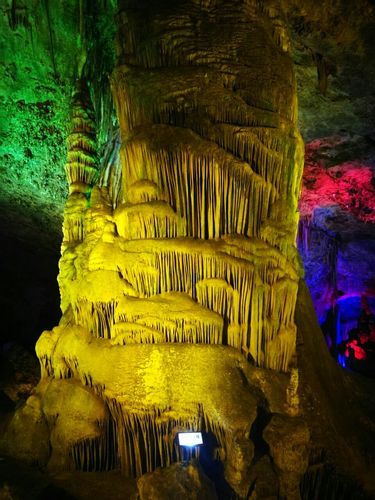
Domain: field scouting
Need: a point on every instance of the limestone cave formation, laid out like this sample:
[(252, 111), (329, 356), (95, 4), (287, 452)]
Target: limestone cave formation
[(199, 177)]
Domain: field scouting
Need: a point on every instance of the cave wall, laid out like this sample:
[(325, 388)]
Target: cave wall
[(44, 48), (336, 241)]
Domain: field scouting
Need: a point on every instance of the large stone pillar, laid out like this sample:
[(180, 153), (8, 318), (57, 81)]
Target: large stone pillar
[(211, 169), (179, 270)]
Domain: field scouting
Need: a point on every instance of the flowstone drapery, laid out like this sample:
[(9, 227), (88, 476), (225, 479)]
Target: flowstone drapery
[(202, 233), (188, 246)]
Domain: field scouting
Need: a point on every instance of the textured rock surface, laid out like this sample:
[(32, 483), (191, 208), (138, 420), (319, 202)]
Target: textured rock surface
[(334, 58), (44, 46), (182, 480), (35, 97), (288, 439), (264, 481), (20, 372), (25, 482), (18, 441)]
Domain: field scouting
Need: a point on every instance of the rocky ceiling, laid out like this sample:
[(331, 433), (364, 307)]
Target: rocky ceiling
[(43, 46)]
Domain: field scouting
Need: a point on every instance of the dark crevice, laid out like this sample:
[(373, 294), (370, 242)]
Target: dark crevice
[(213, 468), (261, 421)]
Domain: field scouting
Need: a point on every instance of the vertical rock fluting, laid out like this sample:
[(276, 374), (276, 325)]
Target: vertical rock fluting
[(206, 203), (211, 165)]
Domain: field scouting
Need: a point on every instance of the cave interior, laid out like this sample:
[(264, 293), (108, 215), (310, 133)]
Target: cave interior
[(187, 244)]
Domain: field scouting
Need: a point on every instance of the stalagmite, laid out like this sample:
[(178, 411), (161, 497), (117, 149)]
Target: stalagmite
[(81, 167)]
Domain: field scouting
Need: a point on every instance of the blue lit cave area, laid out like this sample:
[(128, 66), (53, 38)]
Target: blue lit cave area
[(187, 240), (342, 287)]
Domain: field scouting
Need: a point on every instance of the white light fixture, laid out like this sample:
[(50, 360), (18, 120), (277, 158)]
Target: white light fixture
[(190, 438)]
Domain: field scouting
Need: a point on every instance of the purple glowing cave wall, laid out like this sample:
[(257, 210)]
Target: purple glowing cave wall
[(337, 243)]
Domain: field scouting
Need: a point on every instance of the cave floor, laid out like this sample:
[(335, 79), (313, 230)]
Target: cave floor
[(21, 482)]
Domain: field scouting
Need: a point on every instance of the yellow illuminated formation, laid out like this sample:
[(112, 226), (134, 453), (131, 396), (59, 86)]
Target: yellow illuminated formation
[(179, 271), (211, 168)]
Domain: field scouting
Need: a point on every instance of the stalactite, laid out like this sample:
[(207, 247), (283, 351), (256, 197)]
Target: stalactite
[(81, 167), (247, 283), (220, 275), (304, 234), (171, 317), (98, 454), (217, 295), (215, 193), (97, 317), (135, 333), (321, 480), (140, 441), (147, 439)]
